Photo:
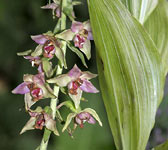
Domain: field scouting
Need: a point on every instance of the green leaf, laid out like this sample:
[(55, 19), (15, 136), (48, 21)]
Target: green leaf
[(140, 9), (157, 25), (77, 52), (163, 146), (130, 73)]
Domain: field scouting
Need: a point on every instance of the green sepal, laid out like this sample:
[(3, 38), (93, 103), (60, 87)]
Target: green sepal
[(61, 56), (70, 105), (58, 26), (68, 120), (49, 91), (38, 51), (47, 67), (63, 90), (66, 35), (48, 110), (29, 125), (77, 52), (61, 80), (87, 49), (37, 110), (74, 3), (68, 10), (25, 53), (57, 2), (49, 33)]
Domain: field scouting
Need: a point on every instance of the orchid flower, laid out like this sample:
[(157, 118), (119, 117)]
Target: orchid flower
[(87, 115), (77, 82), (81, 35), (48, 47), (34, 88), (39, 119), (56, 10)]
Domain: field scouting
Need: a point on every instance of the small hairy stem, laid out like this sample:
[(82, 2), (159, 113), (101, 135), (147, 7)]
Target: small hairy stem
[(53, 103)]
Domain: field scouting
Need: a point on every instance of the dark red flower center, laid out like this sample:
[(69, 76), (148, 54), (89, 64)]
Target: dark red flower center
[(49, 49), (40, 122), (75, 85), (79, 40), (81, 118), (37, 93)]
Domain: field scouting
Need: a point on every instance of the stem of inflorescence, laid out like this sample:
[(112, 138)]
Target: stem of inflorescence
[(53, 104)]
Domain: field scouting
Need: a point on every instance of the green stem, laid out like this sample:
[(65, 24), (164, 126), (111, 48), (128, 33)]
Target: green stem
[(53, 104)]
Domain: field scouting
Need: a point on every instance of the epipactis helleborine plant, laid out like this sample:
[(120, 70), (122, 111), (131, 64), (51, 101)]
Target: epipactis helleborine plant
[(36, 87)]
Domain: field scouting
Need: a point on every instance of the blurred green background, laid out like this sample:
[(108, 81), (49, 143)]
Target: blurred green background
[(18, 20)]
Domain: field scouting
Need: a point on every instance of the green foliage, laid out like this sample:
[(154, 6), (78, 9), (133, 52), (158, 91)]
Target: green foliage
[(140, 9), (156, 25), (130, 71)]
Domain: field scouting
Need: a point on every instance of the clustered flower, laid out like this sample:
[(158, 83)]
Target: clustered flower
[(39, 86)]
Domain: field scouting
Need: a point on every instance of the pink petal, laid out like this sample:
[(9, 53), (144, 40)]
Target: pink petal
[(83, 115), (39, 39), (39, 79), (90, 36), (75, 72), (76, 26), (91, 120), (88, 87), (58, 12), (40, 69), (21, 89), (32, 58)]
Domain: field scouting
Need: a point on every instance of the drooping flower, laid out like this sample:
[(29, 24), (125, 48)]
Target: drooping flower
[(48, 47), (34, 88), (56, 10), (35, 61), (83, 117), (87, 115), (39, 119), (77, 82), (81, 34)]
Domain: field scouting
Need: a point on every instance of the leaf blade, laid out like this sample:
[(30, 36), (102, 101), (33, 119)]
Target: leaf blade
[(140, 9), (130, 73)]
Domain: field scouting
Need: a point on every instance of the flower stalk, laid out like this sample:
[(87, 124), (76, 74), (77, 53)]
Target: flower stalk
[(62, 25)]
